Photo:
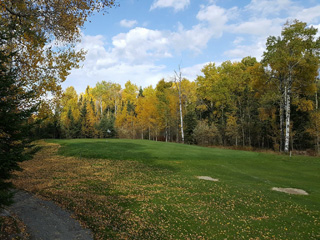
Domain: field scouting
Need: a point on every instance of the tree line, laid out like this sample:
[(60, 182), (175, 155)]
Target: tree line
[(269, 104)]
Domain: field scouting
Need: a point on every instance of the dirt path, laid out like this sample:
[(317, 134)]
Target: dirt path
[(45, 220)]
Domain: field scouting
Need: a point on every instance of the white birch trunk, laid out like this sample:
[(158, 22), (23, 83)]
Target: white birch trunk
[(181, 118), (287, 122), (281, 113), (178, 77)]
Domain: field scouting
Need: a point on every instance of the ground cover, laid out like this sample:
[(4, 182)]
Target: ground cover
[(136, 189)]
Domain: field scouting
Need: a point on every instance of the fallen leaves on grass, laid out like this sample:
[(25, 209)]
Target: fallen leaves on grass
[(12, 228), (122, 199)]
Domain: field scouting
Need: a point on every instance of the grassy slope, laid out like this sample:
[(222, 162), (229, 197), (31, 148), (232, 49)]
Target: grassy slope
[(178, 205)]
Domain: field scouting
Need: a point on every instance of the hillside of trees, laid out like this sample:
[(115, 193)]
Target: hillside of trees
[(271, 104)]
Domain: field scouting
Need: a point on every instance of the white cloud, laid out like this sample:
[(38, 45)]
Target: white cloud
[(260, 27), (97, 55), (192, 72), (309, 15), (212, 14), (212, 21), (255, 49), (263, 8), (194, 39), (118, 62), (128, 23), (216, 18), (141, 44), (238, 40), (178, 5)]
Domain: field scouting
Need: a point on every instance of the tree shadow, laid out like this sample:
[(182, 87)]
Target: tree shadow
[(118, 151)]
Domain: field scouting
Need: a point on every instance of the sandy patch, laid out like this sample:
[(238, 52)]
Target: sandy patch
[(291, 191), (208, 178)]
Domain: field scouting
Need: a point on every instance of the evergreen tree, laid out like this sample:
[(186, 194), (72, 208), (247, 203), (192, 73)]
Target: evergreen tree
[(15, 109), (106, 126), (83, 119), (190, 124)]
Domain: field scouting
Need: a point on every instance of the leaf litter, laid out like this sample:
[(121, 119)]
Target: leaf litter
[(120, 199)]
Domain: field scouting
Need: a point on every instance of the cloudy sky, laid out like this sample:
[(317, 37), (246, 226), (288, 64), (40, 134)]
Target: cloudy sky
[(144, 41)]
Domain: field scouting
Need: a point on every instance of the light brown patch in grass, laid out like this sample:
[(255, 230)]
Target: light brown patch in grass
[(208, 178), (291, 191)]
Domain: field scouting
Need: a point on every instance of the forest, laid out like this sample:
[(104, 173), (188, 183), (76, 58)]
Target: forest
[(271, 104)]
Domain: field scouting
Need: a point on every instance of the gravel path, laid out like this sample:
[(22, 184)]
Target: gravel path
[(45, 220)]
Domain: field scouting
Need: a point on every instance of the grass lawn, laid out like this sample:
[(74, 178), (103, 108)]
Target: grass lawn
[(138, 189)]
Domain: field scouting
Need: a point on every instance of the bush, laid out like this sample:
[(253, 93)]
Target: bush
[(205, 135)]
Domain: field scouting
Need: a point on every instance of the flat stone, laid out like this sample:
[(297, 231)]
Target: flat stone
[(295, 191), (208, 178)]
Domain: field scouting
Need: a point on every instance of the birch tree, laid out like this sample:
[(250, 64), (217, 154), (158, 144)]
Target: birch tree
[(287, 56), (178, 80)]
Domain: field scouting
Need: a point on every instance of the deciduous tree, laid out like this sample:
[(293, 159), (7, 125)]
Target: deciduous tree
[(293, 59)]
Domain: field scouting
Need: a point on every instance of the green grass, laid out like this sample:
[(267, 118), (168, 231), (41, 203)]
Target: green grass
[(177, 205)]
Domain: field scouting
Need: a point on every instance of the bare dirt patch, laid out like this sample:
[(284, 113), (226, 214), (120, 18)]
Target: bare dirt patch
[(295, 191), (208, 178)]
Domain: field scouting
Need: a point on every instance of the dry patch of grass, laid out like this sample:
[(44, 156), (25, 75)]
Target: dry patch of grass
[(12, 228), (101, 193)]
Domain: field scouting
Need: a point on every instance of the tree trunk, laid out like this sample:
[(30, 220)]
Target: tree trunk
[(181, 118), (166, 130), (177, 140), (317, 104), (281, 114), (281, 124), (156, 135), (287, 102), (318, 143), (101, 110), (178, 77)]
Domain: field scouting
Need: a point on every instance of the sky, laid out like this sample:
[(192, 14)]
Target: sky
[(146, 40)]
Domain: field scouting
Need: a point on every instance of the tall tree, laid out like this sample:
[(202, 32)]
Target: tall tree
[(15, 109), (46, 34), (296, 51), (163, 107)]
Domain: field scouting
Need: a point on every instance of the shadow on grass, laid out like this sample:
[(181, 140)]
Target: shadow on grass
[(120, 151)]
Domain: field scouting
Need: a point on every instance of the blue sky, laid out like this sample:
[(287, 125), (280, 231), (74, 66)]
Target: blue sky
[(144, 41)]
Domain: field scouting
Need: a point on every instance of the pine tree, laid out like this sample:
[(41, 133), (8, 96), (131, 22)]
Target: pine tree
[(15, 109)]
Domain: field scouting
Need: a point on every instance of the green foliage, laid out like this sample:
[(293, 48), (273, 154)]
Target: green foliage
[(190, 121), (39, 23), (293, 60), (106, 126), (15, 109)]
